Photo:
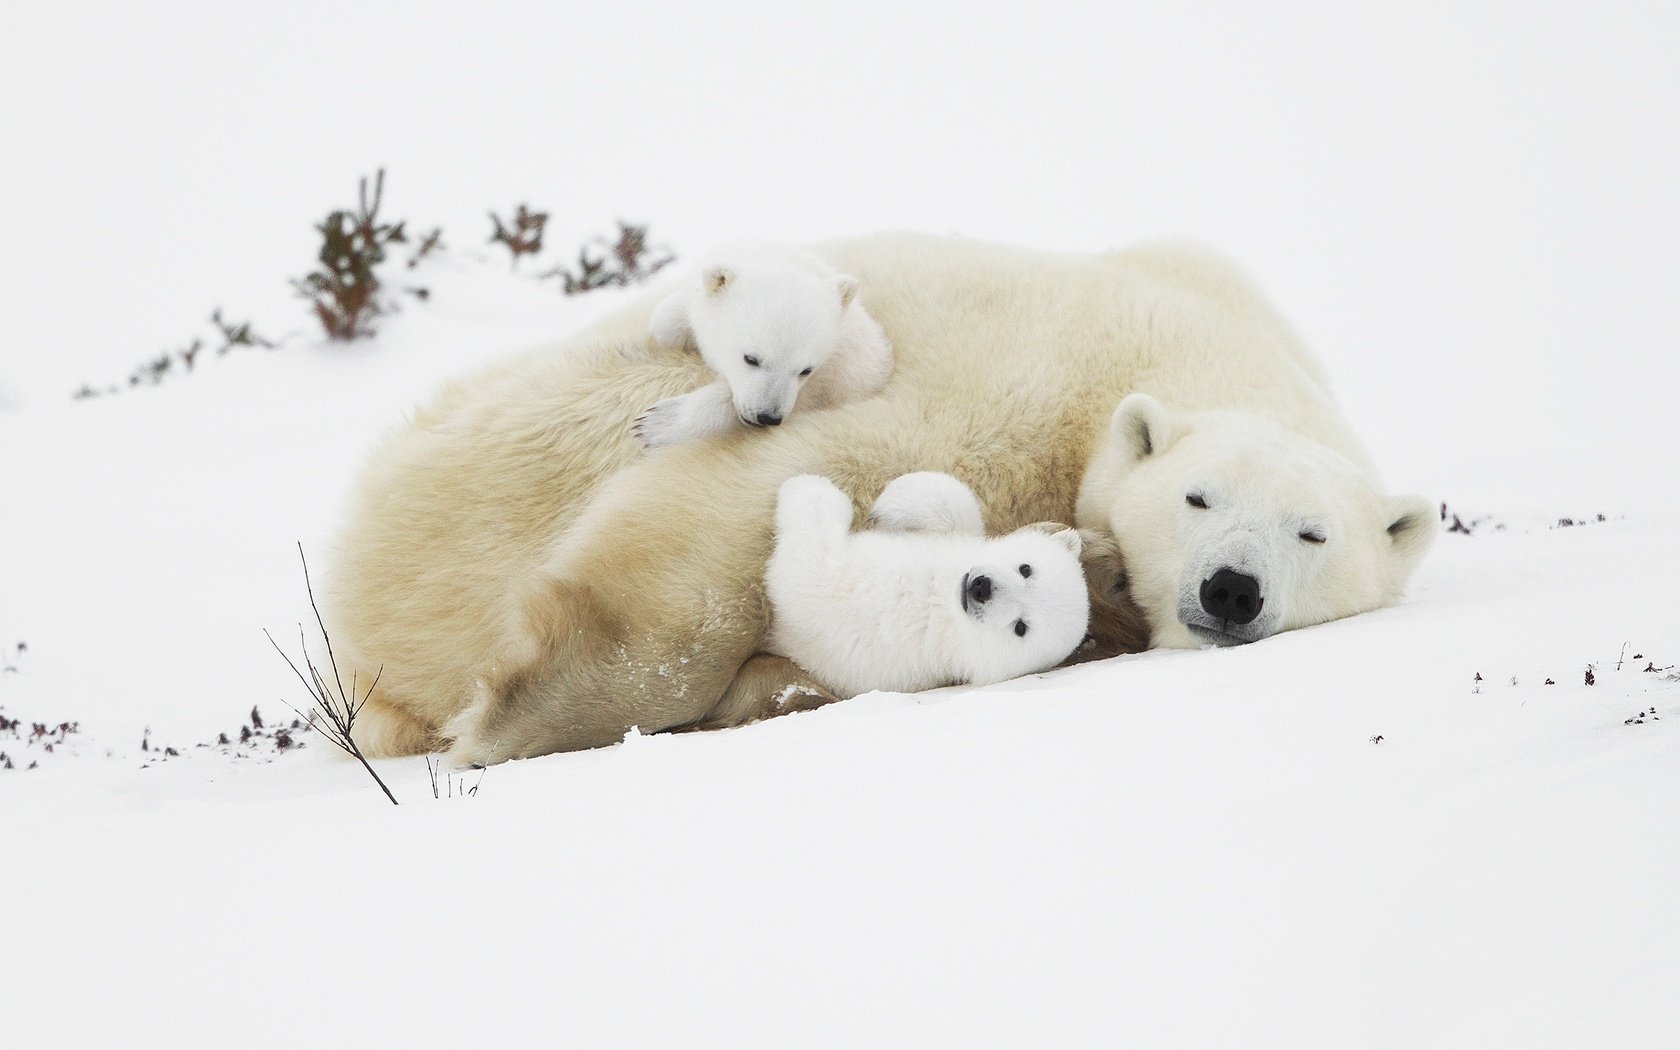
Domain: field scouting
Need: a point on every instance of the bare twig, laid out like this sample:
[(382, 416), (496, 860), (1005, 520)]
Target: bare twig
[(332, 711)]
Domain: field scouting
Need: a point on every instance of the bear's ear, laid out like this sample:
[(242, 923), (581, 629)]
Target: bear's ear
[(1069, 538), (1413, 524), (848, 290), (716, 279), (1142, 427), (1062, 534)]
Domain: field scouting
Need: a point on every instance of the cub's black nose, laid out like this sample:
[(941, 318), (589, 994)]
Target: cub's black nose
[(1232, 596), (980, 589), (765, 419)]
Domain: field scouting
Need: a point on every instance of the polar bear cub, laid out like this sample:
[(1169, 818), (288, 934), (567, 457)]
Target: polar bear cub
[(924, 599), (776, 325)]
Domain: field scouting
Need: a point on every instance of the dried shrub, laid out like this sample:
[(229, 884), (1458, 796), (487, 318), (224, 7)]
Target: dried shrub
[(429, 243), (345, 288), (523, 234), (627, 259), (233, 334)]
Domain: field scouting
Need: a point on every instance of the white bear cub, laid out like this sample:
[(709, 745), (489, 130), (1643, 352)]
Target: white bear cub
[(924, 599), (777, 325)]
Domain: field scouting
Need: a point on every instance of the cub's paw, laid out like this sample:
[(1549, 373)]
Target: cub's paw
[(813, 494), (927, 501), (664, 424)]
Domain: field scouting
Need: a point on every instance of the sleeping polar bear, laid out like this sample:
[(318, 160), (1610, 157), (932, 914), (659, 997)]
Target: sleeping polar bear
[(532, 581), (777, 325)]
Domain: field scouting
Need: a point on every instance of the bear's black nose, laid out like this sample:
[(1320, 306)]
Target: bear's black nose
[(1231, 596), (765, 419), (980, 589)]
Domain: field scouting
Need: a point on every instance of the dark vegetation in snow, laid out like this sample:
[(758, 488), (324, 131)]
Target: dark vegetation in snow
[(349, 288), (1453, 522), (232, 335)]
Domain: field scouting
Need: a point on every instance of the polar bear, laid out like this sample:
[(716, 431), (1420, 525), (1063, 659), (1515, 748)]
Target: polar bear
[(1239, 528), (776, 325), (509, 550), (921, 605)]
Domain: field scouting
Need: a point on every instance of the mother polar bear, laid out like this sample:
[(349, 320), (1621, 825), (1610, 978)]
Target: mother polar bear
[(529, 581)]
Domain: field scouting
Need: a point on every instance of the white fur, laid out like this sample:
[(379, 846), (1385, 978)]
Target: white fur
[(508, 531), (887, 609), (927, 501), (1269, 493), (777, 325)]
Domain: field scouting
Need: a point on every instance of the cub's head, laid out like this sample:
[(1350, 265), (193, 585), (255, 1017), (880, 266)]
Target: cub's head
[(1235, 529), (765, 329), (1023, 603)]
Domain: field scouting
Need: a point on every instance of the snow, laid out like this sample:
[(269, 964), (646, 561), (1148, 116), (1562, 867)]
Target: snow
[(1467, 209)]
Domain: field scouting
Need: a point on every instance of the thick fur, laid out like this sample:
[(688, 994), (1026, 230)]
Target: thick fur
[(931, 501), (920, 605), (776, 324), (514, 532), (1197, 493)]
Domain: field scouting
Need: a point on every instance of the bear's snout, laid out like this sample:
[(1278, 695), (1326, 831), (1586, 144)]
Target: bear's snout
[(980, 589), (1232, 597), (769, 419)]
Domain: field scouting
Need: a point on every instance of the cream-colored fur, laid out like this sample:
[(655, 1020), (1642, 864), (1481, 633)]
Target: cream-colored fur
[(512, 533)]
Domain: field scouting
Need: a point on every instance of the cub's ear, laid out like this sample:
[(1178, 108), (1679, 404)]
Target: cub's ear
[(848, 290), (1069, 538), (716, 279), (1062, 534), (1143, 427), (1413, 524)]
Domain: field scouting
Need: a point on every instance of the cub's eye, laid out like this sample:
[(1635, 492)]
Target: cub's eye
[(1309, 536), (1026, 570), (750, 360), (806, 372), (1020, 628), (1195, 500)]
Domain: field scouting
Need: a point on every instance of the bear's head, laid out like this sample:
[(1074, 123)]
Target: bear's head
[(765, 330), (1235, 529), (1024, 603)]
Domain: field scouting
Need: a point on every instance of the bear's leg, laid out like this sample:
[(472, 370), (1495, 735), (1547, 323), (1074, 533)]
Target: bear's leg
[(927, 501), (859, 367), (813, 518), (700, 413), (642, 614), (669, 323), (764, 687), (384, 730)]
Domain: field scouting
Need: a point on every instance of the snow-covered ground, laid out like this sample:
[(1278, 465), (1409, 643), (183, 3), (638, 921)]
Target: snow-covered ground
[(1339, 837)]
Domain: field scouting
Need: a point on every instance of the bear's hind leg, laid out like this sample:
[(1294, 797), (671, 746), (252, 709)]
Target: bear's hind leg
[(766, 686), (927, 501), (384, 730)]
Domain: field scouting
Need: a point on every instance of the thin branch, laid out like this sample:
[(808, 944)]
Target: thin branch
[(338, 712)]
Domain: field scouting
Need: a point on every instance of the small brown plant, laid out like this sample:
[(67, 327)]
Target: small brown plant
[(235, 335), (345, 287), (429, 243), (628, 259), (523, 235)]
